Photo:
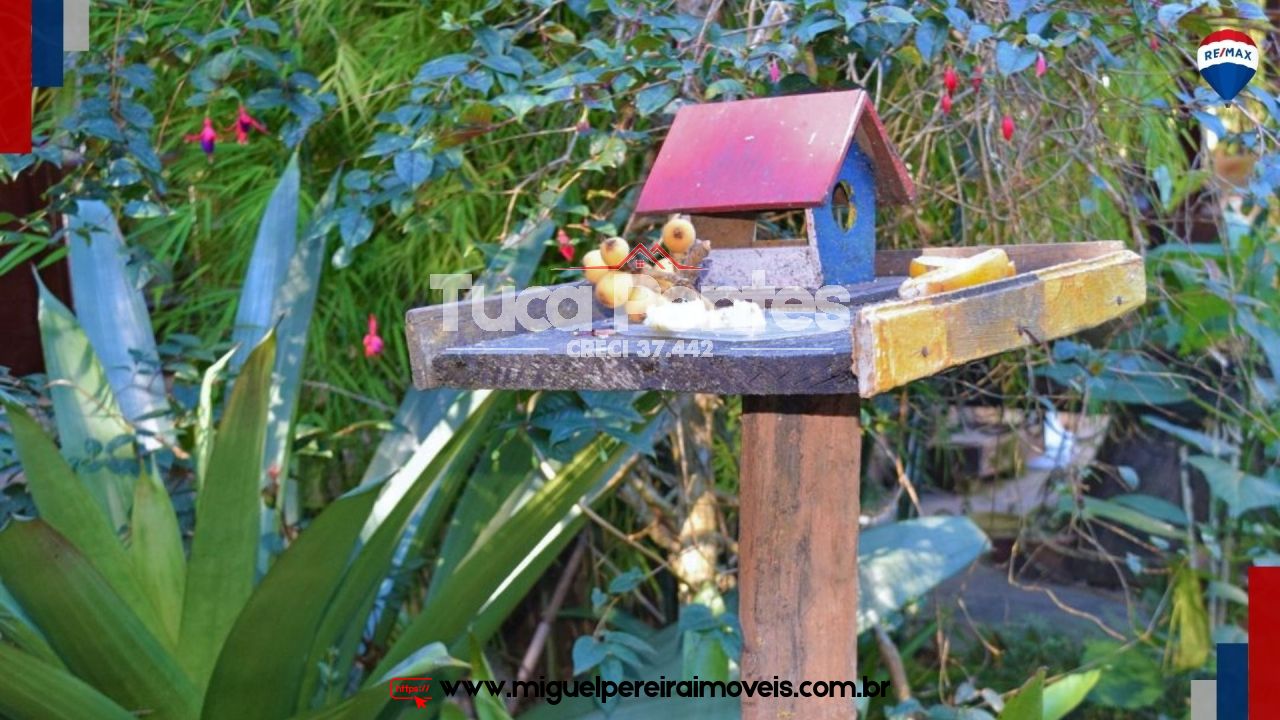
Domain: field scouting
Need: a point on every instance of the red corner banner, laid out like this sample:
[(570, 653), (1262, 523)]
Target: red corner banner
[(15, 76), (1264, 642)]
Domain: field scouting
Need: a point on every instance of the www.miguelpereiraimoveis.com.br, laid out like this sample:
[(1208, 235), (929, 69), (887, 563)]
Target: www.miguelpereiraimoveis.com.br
[(553, 691)]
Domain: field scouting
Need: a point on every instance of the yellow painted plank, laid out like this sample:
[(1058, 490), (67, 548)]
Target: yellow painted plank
[(897, 342)]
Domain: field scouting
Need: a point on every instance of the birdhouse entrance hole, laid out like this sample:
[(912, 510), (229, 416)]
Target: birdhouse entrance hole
[(843, 209)]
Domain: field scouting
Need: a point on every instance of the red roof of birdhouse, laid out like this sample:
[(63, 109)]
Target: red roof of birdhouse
[(768, 154)]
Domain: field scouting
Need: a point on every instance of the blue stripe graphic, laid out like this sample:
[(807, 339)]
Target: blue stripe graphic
[(46, 43), (1233, 681)]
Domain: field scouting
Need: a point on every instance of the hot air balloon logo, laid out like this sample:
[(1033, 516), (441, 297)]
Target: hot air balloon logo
[(1227, 60)]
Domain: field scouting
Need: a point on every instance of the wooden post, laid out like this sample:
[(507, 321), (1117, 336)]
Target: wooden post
[(798, 548)]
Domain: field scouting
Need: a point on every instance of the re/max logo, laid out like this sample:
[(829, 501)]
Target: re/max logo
[(1228, 52)]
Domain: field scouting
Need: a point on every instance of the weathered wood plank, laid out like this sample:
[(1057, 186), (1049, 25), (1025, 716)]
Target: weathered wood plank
[(1060, 289), (448, 347), (798, 548), (900, 341), (435, 328), (1028, 258)]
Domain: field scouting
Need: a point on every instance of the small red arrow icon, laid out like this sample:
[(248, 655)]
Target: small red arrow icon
[(420, 702)]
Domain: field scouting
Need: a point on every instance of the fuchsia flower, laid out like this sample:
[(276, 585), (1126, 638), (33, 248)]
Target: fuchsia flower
[(977, 78), (1007, 127), (1042, 65), (372, 342), (946, 104), (566, 245), (1154, 43), (775, 74), (207, 137), (244, 123), (950, 80)]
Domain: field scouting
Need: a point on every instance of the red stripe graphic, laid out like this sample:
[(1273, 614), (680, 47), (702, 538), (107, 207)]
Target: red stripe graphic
[(1264, 642), (1228, 34), (15, 76)]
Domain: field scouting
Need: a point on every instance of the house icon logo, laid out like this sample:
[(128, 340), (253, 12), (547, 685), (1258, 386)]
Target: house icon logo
[(652, 255)]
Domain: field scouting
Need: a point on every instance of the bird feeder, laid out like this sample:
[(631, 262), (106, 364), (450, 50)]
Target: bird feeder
[(730, 166), (824, 156)]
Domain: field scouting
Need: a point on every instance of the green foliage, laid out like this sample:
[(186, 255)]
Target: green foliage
[(224, 553), (1189, 640), (1130, 678), (1028, 702), (504, 123), (130, 617)]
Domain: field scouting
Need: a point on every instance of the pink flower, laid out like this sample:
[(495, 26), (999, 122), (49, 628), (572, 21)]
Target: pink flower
[(950, 80), (1007, 127), (207, 137), (775, 74), (245, 122), (372, 343), (1154, 43), (977, 78), (1042, 65), (566, 245), (946, 104)]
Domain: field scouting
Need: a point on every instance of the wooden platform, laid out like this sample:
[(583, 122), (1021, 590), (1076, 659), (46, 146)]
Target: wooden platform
[(1060, 289)]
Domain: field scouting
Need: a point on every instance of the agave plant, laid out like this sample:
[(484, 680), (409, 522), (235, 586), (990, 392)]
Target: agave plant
[(106, 611)]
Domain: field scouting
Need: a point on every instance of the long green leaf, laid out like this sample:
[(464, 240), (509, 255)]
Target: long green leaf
[(224, 553), (1028, 702), (1066, 694), (205, 430), (259, 671), (423, 528), (17, 629), (1111, 510), (96, 438), (424, 523), (272, 251), (488, 706), (62, 503), (113, 312), (294, 304), (541, 553), (35, 689), (1241, 491), (421, 411), (156, 552), (92, 629), (488, 565), (340, 632), (1190, 639), (369, 702), (503, 467), (903, 561)]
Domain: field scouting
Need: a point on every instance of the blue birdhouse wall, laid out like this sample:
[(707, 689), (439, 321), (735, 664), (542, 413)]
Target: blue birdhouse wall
[(845, 224)]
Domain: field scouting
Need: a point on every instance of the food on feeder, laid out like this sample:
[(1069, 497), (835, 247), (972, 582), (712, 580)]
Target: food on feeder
[(615, 251), (925, 263), (678, 235), (641, 299), (984, 267), (594, 266), (678, 317), (664, 265), (743, 316), (614, 288)]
